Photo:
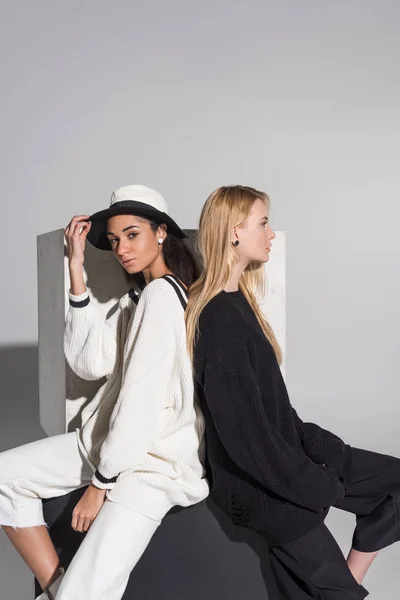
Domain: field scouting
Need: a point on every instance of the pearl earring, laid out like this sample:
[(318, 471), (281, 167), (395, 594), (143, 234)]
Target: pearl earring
[(160, 240)]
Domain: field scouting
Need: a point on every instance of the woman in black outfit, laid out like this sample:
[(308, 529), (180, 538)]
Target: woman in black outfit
[(268, 469)]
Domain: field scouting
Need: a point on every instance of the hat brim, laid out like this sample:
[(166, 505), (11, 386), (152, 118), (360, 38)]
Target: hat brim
[(97, 234)]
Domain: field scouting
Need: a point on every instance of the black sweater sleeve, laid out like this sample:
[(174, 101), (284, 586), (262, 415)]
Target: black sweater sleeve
[(254, 444)]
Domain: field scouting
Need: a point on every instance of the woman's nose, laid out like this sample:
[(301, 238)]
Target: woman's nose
[(121, 248)]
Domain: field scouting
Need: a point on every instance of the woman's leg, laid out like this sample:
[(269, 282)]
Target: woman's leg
[(113, 545), (37, 550), (373, 495), (50, 467), (360, 562), (313, 566)]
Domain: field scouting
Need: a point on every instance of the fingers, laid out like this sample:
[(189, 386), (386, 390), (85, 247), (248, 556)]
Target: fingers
[(87, 509), (79, 228), (76, 219), (74, 522), (80, 523), (81, 526), (77, 520), (85, 230), (87, 523), (75, 235), (79, 218)]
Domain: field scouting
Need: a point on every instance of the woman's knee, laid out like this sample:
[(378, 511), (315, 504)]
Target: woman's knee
[(9, 465), (5, 467)]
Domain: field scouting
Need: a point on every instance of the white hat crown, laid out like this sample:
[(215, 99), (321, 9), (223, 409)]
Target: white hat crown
[(139, 193)]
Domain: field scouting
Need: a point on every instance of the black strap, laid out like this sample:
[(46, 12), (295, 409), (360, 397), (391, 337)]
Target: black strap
[(177, 285), (178, 281), (133, 295)]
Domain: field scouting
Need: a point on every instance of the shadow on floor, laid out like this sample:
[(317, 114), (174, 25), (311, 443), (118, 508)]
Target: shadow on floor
[(19, 396)]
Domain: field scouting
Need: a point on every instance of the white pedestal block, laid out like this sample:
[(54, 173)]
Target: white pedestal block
[(62, 393), (274, 302)]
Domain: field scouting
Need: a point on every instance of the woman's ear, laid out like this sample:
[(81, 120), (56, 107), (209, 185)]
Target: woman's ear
[(162, 232)]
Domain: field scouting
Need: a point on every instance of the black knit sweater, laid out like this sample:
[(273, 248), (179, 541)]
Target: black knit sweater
[(267, 469)]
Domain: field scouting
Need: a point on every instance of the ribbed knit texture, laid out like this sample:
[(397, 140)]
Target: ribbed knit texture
[(142, 431), (268, 470)]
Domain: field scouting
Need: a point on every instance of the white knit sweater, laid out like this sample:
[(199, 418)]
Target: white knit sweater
[(142, 431)]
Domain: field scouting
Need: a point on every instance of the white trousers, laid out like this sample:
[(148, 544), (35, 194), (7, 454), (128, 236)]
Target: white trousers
[(114, 543)]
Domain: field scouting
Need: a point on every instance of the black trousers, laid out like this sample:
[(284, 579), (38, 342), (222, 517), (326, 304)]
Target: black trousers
[(313, 566)]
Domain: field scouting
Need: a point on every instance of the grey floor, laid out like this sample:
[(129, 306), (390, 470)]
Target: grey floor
[(19, 424)]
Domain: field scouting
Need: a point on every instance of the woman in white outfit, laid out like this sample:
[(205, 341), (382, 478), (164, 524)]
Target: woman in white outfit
[(138, 449)]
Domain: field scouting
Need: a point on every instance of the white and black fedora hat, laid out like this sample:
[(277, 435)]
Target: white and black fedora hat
[(138, 200)]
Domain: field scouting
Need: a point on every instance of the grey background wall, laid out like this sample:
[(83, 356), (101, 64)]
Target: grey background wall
[(299, 98)]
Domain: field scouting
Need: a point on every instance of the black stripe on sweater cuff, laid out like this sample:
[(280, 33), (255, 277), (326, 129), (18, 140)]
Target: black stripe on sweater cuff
[(104, 480), (79, 304)]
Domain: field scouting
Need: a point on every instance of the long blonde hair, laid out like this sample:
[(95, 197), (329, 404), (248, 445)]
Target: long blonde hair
[(226, 208)]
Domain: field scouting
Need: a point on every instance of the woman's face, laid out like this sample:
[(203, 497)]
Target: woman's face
[(134, 243), (254, 235)]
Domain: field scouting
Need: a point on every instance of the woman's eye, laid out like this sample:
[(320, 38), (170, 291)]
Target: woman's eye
[(132, 235), (113, 240)]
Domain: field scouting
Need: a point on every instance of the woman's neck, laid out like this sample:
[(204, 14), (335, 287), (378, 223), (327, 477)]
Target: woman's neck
[(157, 269), (233, 282)]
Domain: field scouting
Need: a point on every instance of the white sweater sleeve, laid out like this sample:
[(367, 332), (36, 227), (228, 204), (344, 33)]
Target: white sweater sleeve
[(90, 341), (150, 359)]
